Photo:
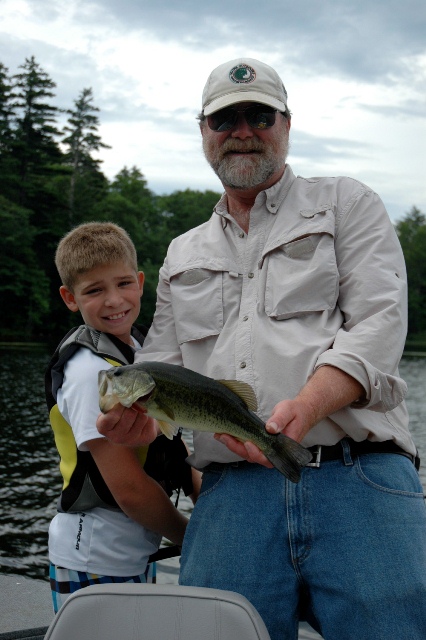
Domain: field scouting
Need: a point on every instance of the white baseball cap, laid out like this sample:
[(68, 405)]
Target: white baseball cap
[(243, 80)]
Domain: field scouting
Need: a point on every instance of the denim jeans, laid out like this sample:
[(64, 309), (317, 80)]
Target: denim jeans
[(345, 548)]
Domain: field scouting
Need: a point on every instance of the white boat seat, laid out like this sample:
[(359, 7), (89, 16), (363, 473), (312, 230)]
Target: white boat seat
[(156, 612)]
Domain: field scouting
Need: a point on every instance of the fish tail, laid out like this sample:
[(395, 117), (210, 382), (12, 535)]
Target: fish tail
[(288, 456)]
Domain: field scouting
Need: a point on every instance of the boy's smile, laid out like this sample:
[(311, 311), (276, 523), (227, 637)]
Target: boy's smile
[(108, 298)]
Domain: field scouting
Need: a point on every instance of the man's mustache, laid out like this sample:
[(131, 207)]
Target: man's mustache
[(241, 147)]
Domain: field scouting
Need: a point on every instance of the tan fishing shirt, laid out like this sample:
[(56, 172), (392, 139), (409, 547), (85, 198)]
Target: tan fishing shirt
[(318, 280)]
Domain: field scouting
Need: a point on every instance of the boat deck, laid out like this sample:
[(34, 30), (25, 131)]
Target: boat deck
[(25, 606)]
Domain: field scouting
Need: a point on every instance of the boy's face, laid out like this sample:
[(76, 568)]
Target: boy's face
[(108, 297)]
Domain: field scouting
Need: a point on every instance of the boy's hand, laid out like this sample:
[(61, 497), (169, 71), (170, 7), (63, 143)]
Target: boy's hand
[(127, 426)]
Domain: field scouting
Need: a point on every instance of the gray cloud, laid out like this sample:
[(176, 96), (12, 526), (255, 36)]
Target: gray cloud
[(366, 40), (371, 41), (325, 148), (71, 71), (407, 109)]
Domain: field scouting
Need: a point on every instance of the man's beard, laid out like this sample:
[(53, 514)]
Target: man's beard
[(246, 171)]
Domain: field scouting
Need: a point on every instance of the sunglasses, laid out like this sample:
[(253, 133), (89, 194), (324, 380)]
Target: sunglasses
[(259, 116)]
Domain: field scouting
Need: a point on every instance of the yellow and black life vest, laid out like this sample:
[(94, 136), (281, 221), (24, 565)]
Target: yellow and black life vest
[(83, 486)]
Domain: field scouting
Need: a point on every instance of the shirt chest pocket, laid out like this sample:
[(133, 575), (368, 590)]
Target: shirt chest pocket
[(301, 276), (197, 303)]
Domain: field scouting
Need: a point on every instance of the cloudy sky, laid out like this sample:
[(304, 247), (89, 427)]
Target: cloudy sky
[(355, 73)]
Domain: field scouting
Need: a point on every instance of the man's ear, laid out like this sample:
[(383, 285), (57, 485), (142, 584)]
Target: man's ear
[(69, 298)]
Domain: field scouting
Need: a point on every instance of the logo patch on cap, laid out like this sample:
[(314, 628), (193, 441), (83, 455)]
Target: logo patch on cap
[(242, 74)]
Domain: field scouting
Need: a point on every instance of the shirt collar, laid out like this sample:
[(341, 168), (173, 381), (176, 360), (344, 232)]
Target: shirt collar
[(271, 198)]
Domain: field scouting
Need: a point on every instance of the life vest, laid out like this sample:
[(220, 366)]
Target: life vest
[(83, 486)]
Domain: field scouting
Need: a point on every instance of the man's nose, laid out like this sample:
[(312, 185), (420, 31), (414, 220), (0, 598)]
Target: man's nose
[(242, 129)]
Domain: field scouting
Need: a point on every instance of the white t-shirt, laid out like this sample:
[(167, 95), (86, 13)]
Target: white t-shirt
[(100, 541)]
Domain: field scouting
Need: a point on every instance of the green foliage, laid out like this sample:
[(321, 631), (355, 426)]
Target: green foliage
[(50, 182), (6, 111), (24, 287), (81, 140), (33, 146), (411, 231), (186, 209)]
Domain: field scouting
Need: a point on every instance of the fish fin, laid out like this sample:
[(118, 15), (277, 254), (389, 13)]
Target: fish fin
[(165, 409), (243, 391), (167, 429), (288, 456)]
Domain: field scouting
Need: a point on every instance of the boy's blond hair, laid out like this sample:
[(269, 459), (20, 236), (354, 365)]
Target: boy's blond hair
[(91, 245)]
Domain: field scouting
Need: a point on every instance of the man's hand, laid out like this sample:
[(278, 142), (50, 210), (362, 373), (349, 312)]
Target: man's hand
[(246, 450), (130, 427), (327, 391), (288, 416)]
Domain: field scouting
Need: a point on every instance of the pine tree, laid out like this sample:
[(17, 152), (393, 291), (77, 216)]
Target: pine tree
[(7, 164), (81, 139), (35, 147)]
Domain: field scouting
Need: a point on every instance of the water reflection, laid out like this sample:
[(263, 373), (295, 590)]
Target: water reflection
[(29, 474)]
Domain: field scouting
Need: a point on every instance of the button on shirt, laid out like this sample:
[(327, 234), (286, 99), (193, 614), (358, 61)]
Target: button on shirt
[(318, 280)]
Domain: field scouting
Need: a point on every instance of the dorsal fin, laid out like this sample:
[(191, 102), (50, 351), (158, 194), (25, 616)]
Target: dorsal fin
[(243, 390)]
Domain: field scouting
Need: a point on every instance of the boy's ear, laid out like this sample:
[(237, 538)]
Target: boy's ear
[(69, 298), (141, 280)]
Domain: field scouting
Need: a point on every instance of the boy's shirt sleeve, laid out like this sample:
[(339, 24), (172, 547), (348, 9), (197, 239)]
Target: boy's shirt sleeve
[(78, 398)]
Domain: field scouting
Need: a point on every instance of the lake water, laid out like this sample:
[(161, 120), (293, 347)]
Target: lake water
[(29, 475)]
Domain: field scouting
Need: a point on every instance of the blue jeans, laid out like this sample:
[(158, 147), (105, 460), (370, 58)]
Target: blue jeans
[(345, 548)]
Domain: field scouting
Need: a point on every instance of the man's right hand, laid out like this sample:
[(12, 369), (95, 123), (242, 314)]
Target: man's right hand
[(129, 427)]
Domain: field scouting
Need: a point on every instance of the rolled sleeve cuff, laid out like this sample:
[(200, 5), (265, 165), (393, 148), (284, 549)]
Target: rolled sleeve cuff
[(383, 391)]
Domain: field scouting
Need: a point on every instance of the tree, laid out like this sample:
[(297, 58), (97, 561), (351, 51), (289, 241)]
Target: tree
[(81, 139), (133, 206), (411, 231), (7, 164), (186, 209), (24, 287), (35, 147), (131, 184)]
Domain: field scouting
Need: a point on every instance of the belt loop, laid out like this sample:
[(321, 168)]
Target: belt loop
[(346, 447)]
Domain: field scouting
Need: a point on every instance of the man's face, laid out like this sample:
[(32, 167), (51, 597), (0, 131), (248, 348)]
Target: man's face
[(244, 157)]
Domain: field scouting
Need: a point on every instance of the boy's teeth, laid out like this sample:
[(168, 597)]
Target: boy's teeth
[(117, 316)]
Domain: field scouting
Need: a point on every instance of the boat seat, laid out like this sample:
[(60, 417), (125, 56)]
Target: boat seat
[(130, 611)]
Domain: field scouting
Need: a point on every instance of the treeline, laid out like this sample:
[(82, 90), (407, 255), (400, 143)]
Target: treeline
[(50, 181)]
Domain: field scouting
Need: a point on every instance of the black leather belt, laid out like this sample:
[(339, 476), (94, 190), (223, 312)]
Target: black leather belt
[(323, 453)]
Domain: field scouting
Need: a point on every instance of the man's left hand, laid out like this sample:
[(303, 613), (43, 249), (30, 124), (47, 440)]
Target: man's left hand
[(288, 416)]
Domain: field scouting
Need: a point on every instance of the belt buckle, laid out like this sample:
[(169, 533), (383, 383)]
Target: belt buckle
[(317, 458)]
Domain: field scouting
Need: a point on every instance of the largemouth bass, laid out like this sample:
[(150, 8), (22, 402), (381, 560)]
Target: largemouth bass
[(178, 397)]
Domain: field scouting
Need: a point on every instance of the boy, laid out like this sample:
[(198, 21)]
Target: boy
[(111, 513)]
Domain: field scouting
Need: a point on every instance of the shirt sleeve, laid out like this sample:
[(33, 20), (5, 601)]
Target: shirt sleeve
[(373, 300), (161, 343), (78, 398)]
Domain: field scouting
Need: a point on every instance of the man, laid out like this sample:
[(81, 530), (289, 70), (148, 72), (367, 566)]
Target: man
[(298, 287)]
